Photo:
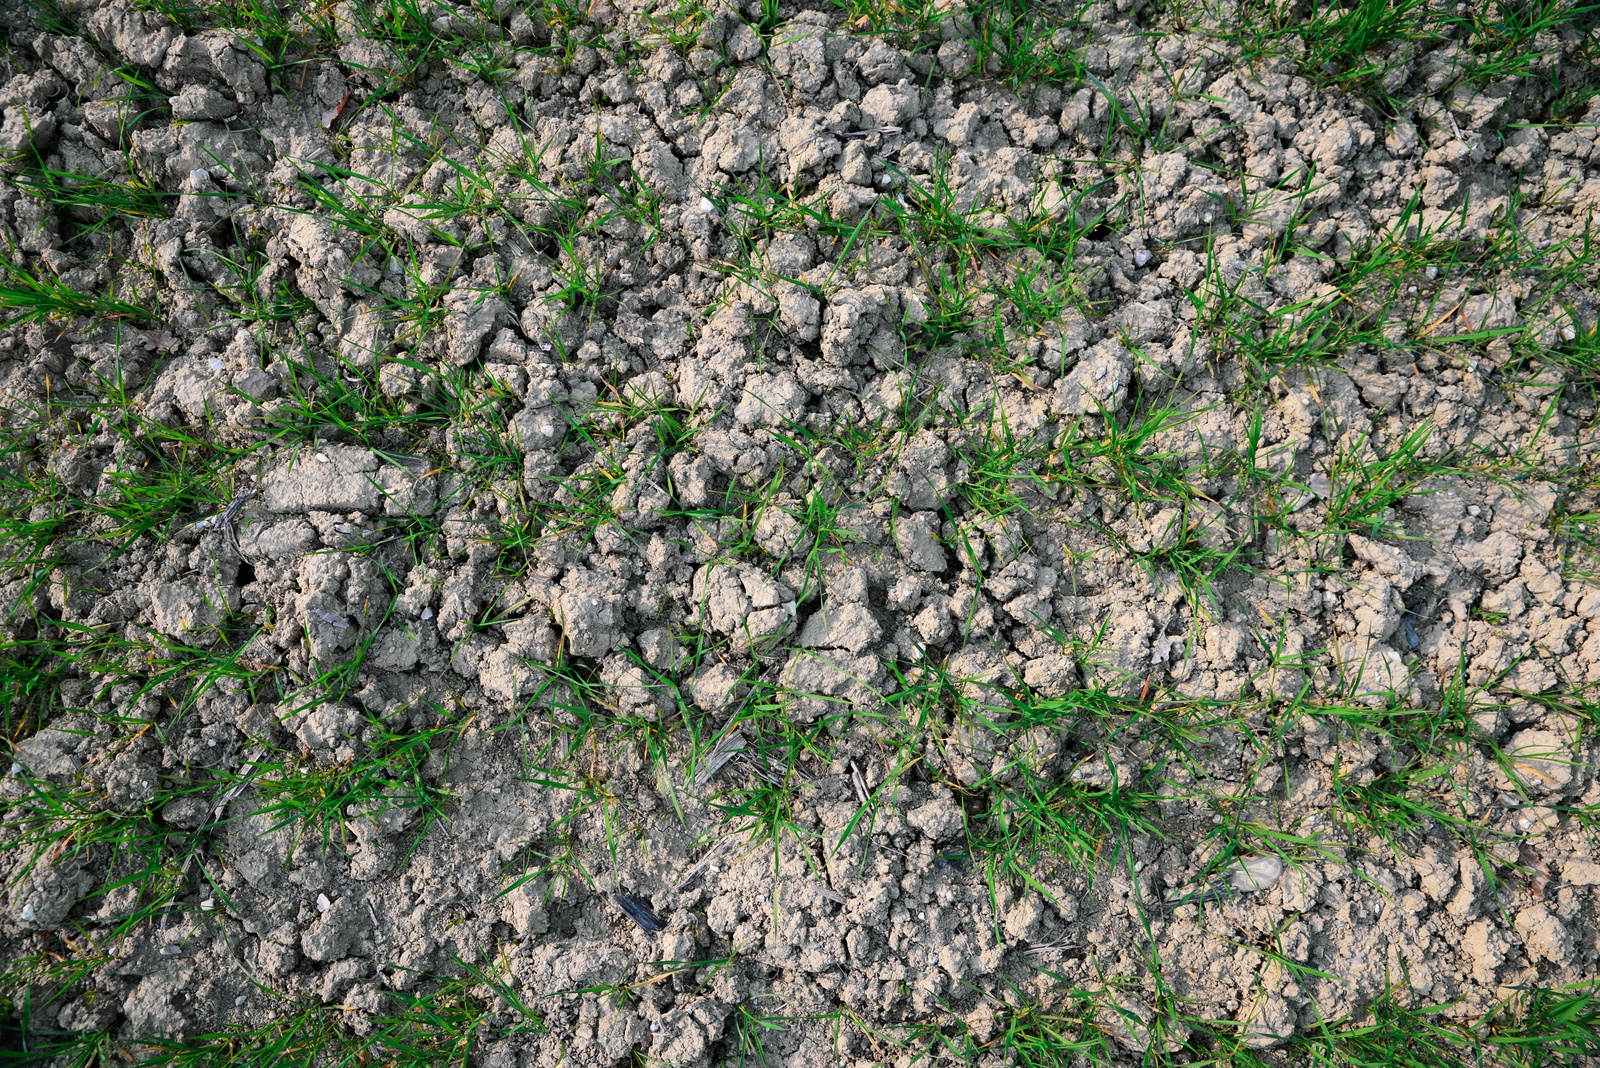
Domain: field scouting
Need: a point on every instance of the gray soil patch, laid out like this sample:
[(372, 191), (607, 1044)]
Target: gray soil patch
[(762, 538)]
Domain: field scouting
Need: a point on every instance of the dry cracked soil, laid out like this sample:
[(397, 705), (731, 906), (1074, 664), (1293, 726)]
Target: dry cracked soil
[(797, 533)]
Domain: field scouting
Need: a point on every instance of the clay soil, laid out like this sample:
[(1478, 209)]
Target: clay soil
[(799, 533)]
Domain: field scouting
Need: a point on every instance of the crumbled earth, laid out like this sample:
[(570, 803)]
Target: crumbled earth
[(1069, 488)]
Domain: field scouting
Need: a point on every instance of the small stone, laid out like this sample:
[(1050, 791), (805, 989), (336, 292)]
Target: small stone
[(27, 914), (1255, 873), (240, 1000), (322, 458), (323, 904), (171, 951), (1141, 257), (208, 904), (706, 207)]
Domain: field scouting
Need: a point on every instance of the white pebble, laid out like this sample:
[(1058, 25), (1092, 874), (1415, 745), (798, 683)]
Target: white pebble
[(215, 364), (1474, 510), (199, 176), (547, 430), (323, 904), (27, 914), (344, 528), (322, 458), (1432, 271), (545, 346), (240, 1000), (1207, 217), (1217, 820), (497, 789), (1567, 333), (211, 743), (16, 769), (594, 600), (714, 868), (933, 959), (171, 951), (208, 904), (1141, 257), (1583, 528), (427, 613), (922, 915), (1255, 873), (706, 207)]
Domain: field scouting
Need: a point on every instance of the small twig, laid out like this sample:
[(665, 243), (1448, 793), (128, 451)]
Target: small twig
[(226, 519), (727, 747), (639, 912), (859, 782), (698, 872)]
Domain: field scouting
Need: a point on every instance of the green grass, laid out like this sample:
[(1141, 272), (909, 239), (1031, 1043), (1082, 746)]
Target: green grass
[(1357, 44), (26, 296), (445, 1025), (95, 202), (1021, 44), (392, 772)]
